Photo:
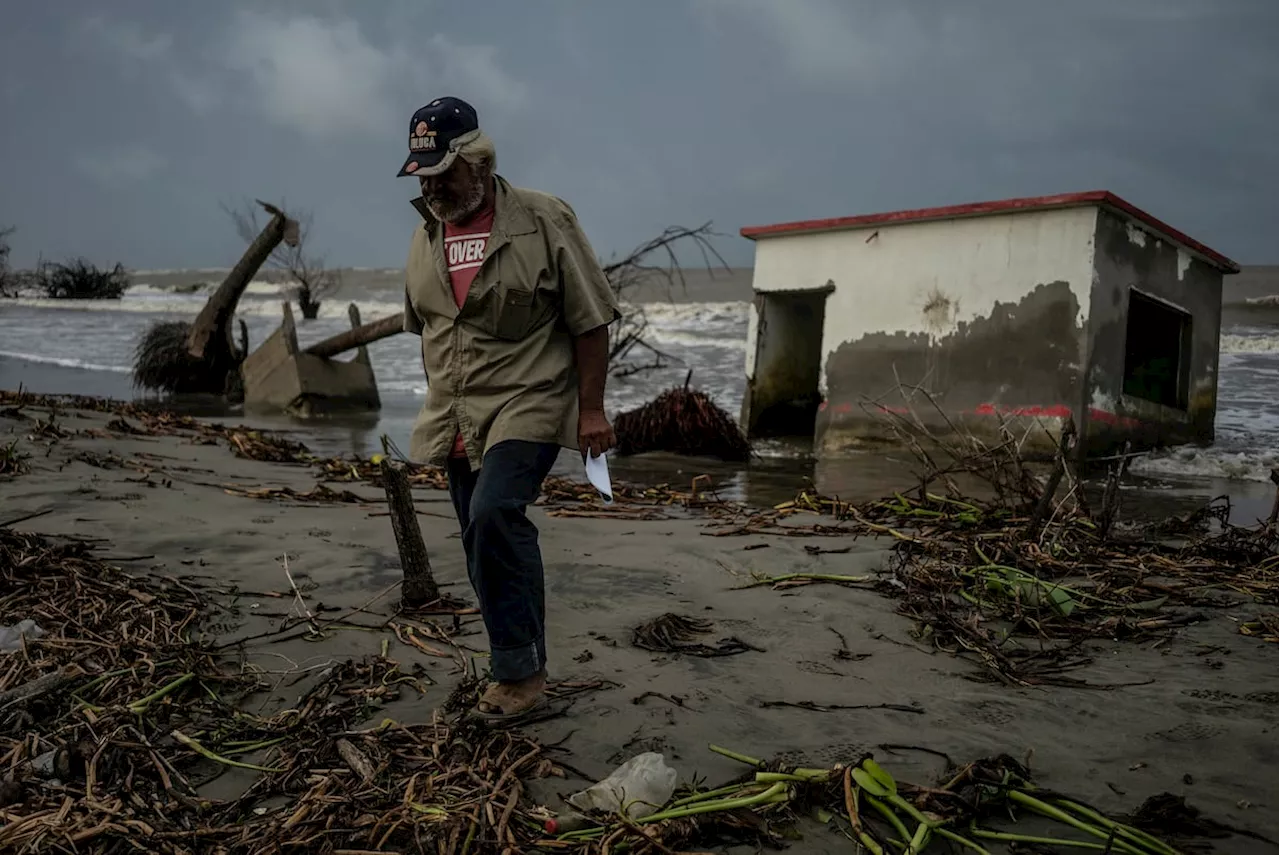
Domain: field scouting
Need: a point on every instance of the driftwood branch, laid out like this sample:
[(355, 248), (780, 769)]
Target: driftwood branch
[(359, 336), (47, 684)]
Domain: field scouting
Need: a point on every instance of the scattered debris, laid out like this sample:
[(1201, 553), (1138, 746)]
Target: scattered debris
[(317, 495), (1266, 627), (965, 569), (114, 719), (674, 633), (983, 802), (13, 460)]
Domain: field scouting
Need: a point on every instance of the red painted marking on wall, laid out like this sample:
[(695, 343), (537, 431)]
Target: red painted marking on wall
[(1049, 411), (1053, 411), (1112, 419), (1101, 198)]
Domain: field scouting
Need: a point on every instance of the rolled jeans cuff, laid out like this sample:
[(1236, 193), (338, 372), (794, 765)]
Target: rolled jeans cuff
[(517, 663)]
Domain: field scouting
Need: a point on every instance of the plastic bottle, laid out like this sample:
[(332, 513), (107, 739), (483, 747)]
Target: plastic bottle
[(639, 787)]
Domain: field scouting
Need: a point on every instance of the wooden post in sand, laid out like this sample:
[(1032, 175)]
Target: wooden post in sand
[(419, 587)]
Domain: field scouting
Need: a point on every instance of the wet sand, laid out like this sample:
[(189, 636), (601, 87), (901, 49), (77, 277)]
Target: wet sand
[(1196, 718)]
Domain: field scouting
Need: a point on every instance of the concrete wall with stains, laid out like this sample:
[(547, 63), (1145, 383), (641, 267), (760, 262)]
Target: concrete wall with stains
[(986, 313), (1131, 257)]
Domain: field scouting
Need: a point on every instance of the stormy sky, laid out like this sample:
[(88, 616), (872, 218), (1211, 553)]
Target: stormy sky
[(123, 125)]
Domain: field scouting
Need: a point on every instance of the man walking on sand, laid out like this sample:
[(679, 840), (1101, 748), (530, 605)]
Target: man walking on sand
[(514, 313)]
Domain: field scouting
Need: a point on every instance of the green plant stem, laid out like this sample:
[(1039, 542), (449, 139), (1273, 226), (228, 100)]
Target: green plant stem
[(943, 499), (1062, 816), (869, 843), (802, 776), (887, 812), (686, 807), (471, 836), (217, 758), (733, 755), (920, 840), (255, 746), (1137, 835), (963, 841), (906, 807), (1005, 837), (140, 706), (776, 793), (708, 795)]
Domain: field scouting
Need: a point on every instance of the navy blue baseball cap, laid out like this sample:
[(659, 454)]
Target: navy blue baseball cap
[(436, 132)]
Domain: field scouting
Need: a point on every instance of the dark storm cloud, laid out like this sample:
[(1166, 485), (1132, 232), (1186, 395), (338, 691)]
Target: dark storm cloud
[(124, 129)]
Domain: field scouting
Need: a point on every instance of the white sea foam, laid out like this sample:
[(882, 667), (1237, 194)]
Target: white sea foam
[(66, 363), (1258, 343), (1195, 462)]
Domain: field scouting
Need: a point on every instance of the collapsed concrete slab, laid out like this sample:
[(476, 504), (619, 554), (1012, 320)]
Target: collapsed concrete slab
[(278, 377)]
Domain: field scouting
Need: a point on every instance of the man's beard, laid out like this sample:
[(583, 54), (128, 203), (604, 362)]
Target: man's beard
[(450, 210)]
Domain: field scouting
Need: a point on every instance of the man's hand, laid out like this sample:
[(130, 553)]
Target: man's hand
[(595, 434)]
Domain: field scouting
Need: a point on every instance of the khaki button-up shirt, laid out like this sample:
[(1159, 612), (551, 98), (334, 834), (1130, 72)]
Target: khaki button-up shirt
[(502, 367)]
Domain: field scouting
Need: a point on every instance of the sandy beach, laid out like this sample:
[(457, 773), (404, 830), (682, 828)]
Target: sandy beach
[(830, 671)]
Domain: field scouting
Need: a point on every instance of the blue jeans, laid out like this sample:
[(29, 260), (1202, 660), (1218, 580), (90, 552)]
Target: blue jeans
[(501, 544)]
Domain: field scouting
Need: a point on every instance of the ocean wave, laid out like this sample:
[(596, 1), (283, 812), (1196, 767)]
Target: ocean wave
[(263, 299), (1232, 343), (1194, 462), (179, 271), (64, 362)]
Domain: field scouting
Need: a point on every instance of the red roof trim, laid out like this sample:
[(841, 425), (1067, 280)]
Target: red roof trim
[(1100, 198)]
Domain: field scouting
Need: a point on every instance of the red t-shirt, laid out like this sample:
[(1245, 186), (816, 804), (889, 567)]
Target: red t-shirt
[(464, 246)]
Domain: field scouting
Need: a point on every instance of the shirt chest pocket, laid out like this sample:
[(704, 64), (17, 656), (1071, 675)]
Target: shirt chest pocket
[(522, 300), (514, 313)]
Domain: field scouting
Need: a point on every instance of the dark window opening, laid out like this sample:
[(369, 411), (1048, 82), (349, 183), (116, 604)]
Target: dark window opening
[(1157, 344)]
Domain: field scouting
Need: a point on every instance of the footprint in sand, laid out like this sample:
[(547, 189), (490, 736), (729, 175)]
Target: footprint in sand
[(1188, 731), (993, 712), (844, 752)]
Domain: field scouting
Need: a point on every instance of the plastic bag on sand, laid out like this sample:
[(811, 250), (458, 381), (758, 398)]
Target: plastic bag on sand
[(639, 787), (11, 636)]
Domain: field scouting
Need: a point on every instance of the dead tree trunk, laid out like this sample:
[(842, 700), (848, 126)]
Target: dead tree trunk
[(419, 586), (307, 303), (358, 336), (209, 340)]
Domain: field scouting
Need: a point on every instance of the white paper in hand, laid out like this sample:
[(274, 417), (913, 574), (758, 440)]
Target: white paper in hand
[(598, 476)]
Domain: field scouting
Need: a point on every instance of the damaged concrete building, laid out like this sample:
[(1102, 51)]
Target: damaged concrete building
[(1027, 312)]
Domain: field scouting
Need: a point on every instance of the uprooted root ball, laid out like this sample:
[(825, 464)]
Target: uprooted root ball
[(161, 361), (682, 421)]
